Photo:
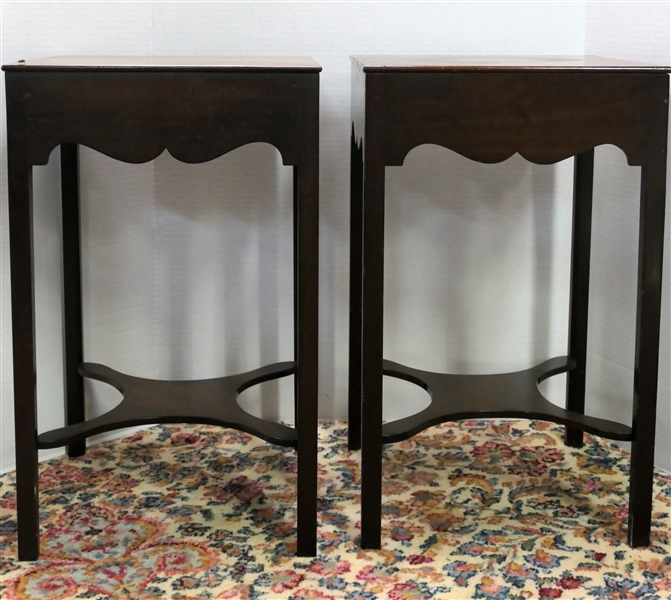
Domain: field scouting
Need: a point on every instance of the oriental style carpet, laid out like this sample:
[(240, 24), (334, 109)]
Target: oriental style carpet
[(480, 509)]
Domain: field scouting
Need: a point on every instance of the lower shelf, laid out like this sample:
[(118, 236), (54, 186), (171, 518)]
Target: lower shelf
[(456, 397), (149, 401)]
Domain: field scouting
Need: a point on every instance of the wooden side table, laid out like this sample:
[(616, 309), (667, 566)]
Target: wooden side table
[(547, 109), (132, 109)]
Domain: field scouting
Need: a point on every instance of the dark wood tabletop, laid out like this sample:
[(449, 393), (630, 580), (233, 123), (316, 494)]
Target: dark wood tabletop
[(167, 63), (436, 63)]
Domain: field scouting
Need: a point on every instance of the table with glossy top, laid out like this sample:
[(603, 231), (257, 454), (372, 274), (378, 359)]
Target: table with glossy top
[(547, 109), (132, 109)]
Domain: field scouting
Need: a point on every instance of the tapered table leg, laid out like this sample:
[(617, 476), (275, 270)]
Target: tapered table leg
[(372, 337), (579, 303), (355, 281), (306, 281), (651, 241), (23, 338), (72, 293)]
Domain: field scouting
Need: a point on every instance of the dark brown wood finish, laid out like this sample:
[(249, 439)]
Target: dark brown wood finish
[(196, 124), (546, 109), (356, 223), (579, 295), (456, 397), (20, 184), (501, 64), (492, 116), (306, 282), (146, 401), (132, 110), (192, 64), (356, 260), (648, 314), (372, 325), (73, 352)]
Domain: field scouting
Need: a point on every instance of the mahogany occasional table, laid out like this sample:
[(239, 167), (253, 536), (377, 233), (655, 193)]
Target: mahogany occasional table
[(547, 109), (132, 109)]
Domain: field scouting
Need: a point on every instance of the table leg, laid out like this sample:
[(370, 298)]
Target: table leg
[(579, 302), (306, 281), (355, 281), (72, 293), (372, 338), (23, 345), (650, 253)]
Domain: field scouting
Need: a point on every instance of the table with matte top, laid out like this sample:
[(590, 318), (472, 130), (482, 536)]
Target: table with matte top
[(132, 109), (547, 109)]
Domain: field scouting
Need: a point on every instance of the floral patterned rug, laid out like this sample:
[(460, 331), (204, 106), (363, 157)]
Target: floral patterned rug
[(479, 509)]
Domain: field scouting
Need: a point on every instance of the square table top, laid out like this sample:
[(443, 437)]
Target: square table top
[(168, 63), (437, 64)]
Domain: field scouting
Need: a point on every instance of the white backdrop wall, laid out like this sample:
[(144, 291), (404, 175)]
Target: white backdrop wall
[(187, 269)]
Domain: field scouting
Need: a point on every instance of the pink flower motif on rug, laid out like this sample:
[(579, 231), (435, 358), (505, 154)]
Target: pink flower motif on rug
[(114, 556), (489, 510)]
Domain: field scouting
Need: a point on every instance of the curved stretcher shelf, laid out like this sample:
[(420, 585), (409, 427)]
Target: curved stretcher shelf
[(148, 401), (456, 397)]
